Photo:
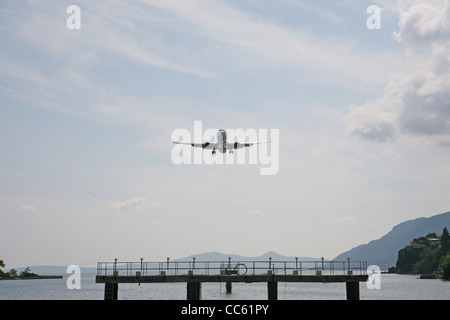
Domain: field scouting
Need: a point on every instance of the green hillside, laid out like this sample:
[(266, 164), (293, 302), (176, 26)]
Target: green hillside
[(424, 255)]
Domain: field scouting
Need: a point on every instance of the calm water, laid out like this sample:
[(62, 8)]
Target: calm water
[(404, 287)]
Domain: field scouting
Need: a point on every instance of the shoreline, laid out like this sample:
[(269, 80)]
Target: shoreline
[(35, 278)]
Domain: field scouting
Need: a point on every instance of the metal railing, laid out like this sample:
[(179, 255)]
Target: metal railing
[(296, 267)]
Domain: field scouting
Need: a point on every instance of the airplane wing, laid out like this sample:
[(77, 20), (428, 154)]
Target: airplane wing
[(206, 145), (238, 145)]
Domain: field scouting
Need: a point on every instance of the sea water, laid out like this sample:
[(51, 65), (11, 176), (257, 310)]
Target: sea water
[(393, 287)]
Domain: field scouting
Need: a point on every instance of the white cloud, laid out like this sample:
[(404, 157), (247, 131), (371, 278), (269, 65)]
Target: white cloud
[(345, 219), (136, 203), (371, 121), (136, 51), (29, 208), (388, 5), (423, 21), (257, 213), (416, 103), (311, 7), (250, 41)]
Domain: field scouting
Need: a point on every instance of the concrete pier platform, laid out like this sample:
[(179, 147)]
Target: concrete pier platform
[(331, 272)]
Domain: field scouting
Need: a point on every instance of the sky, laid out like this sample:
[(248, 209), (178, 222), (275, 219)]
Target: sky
[(87, 114)]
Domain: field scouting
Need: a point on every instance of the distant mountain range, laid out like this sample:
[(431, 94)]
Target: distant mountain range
[(217, 256), (384, 251)]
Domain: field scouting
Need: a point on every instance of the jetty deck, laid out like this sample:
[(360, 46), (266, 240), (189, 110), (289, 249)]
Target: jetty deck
[(194, 273)]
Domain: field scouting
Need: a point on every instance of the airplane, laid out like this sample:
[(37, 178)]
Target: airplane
[(221, 145)]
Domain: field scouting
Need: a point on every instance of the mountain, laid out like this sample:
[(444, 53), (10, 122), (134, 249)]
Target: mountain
[(217, 256), (384, 251)]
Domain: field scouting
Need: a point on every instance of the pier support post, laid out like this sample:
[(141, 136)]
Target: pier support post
[(194, 290), (352, 290), (111, 290), (272, 290), (228, 287)]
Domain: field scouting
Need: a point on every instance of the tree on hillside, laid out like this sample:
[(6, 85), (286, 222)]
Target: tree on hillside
[(27, 273), (407, 257), (445, 267), (445, 242), (428, 262), (423, 256), (13, 273), (2, 265)]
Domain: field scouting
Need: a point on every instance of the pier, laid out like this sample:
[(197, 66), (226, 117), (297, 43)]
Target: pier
[(194, 273)]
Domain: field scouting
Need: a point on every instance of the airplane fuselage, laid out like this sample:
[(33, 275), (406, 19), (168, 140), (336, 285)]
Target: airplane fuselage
[(222, 141)]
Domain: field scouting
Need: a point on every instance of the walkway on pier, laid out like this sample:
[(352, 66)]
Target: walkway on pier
[(194, 273)]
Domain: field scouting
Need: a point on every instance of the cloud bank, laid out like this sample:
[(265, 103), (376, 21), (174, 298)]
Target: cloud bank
[(416, 103), (136, 203)]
